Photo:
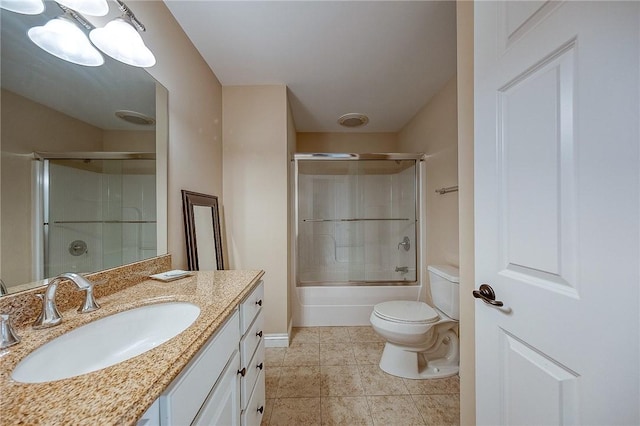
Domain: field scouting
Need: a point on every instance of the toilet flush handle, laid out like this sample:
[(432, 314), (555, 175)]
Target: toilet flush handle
[(487, 295)]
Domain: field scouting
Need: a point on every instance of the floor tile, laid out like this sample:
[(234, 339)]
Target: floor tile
[(268, 409), (274, 356), (377, 382), (296, 412), (271, 377), (394, 410), (331, 376), (367, 352), (333, 334), (340, 381), (345, 411), (336, 354), (439, 409), (448, 385), (299, 382), (302, 354), (363, 334), (304, 335)]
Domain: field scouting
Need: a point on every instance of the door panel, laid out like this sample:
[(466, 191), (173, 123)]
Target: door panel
[(536, 174), (554, 385), (557, 188)]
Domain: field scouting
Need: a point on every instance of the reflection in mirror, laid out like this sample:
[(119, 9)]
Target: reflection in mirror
[(206, 255), (53, 110), (202, 231)]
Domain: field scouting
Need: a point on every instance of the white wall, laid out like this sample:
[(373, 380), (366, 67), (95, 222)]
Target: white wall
[(256, 190), (195, 116), (465, 196), (347, 142), (433, 130)]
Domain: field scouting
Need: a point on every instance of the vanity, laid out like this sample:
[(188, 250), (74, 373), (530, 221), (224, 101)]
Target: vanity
[(211, 373), (224, 382)]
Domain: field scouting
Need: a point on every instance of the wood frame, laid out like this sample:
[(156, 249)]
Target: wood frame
[(191, 199)]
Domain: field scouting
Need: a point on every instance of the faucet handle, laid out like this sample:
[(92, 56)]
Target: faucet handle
[(89, 304), (8, 336)]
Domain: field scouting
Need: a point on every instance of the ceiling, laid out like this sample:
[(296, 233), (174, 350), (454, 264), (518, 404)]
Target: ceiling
[(385, 59)]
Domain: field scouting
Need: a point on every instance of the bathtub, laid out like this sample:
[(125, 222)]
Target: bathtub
[(338, 304)]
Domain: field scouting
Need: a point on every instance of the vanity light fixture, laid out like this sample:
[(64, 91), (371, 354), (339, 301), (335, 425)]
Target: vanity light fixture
[(87, 7), (26, 7), (63, 38), (66, 38), (121, 39)]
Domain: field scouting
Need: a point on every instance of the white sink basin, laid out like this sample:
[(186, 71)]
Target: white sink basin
[(106, 342)]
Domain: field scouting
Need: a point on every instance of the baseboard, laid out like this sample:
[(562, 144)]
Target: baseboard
[(279, 340), (276, 340)]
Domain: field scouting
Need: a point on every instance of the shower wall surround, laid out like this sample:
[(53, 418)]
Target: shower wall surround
[(353, 217), (107, 208)]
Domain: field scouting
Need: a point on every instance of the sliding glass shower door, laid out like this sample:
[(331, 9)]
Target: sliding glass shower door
[(356, 221), (98, 214)]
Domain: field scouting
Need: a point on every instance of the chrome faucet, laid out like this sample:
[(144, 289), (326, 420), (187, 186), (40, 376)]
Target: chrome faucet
[(50, 316), (8, 336)]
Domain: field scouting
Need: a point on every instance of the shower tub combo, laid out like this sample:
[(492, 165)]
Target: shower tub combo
[(358, 235)]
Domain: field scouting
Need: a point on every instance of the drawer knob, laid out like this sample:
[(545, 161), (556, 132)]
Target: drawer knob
[(259, 302), (259, 333), (259, 366), (242, 372), (261, 409)]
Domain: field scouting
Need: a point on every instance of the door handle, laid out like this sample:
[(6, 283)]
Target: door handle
[(487, 295)]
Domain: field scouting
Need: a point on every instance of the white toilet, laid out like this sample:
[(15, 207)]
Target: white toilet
[(421, 340)]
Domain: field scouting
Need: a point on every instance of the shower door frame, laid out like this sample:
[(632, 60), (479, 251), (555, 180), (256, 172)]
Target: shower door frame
[(419, 212), (40, 191)]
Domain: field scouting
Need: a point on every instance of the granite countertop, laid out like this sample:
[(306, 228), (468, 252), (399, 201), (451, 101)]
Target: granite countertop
[(120, 394)]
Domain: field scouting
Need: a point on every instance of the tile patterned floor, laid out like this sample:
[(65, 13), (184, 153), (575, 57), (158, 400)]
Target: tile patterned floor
[(330, 376)]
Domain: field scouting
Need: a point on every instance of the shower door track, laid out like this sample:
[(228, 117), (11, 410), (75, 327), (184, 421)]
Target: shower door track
[(62, 222), (356, 220), (355, 283)]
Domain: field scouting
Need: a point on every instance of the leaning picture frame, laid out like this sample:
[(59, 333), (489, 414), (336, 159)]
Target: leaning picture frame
[(203, 235)]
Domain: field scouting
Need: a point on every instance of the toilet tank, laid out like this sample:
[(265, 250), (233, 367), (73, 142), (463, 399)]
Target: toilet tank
[(445, 289)]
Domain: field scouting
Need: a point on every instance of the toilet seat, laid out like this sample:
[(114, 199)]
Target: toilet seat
[(406, 311)]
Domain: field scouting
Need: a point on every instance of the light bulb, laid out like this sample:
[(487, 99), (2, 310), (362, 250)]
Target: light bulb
[(26, 7), (87, 7), (64, 39), (120, 40)]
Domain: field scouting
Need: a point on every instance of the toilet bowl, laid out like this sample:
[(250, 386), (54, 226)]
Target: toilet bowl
[(421, 340)]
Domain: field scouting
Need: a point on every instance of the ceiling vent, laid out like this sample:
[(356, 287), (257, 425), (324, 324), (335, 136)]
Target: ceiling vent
[(135, 118), (353, 119)]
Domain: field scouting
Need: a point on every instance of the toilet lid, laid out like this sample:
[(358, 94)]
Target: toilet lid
[(406, 311)]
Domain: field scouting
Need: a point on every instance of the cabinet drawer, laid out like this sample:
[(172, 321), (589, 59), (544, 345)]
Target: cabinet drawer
[(221, 407), (184, 397), (252, 415), (254, 368), (250, 341), (250, 307)]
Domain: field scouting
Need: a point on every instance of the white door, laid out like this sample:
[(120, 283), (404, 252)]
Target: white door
[(557, 123)]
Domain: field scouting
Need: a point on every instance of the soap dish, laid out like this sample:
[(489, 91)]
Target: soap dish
[(176, 274)]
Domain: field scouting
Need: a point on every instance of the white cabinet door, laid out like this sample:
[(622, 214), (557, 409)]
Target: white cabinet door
[(557, 211), (222, 407)]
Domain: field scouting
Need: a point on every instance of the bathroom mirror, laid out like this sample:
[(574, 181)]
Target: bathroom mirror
[(59, 109), (202, 231)]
